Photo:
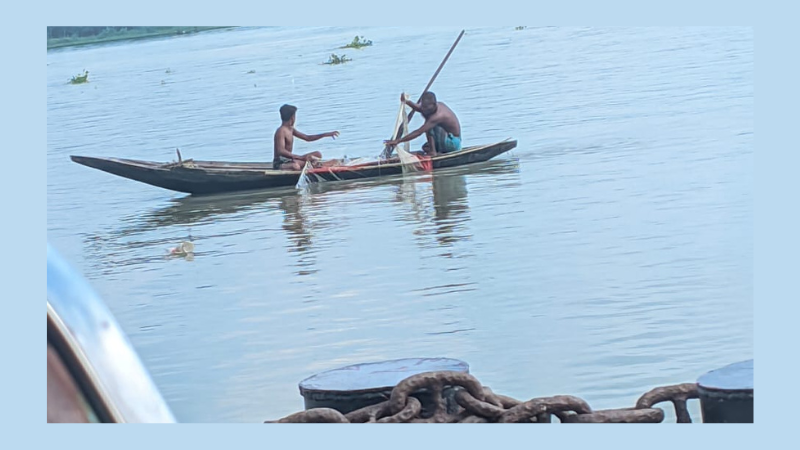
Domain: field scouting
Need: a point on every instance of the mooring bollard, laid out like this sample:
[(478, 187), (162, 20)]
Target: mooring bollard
[(353, 387), (726, 394)]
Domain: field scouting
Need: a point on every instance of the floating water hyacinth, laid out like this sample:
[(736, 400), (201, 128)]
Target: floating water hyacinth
[(336, 59), (358, 43), (79, 79)]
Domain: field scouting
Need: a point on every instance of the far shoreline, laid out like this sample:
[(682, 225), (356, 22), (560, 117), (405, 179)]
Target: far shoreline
[(128, 35)]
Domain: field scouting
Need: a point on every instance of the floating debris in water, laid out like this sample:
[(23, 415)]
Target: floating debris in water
[(520, 28), (251, 71), (186, 248), (168, 70)]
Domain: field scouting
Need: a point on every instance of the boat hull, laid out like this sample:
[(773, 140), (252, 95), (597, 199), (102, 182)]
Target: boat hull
[(210, 177)]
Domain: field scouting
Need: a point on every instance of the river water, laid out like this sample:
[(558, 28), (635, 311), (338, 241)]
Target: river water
[(609, 253)]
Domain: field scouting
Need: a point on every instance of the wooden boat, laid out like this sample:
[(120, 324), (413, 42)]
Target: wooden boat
[(211, 177)]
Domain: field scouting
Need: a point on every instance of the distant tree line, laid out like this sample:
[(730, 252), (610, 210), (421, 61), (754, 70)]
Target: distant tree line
[(65, 32), (70, 36)]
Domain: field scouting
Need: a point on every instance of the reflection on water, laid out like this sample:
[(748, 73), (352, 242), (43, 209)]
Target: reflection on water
[(299, 232), (294, 222), (435, 203), (192, 210), (450, 206)]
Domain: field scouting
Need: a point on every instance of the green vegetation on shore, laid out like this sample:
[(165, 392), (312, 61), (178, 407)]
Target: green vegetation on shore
[(70, 36)]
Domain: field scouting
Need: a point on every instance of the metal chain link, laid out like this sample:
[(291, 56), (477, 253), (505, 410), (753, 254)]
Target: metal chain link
[(475, 403)]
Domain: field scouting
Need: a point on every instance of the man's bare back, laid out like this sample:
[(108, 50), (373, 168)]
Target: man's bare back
[(441, 127), (286, 134), (445, 118)]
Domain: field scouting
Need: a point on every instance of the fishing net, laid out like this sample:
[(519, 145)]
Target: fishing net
[(409, 161), (312, 171), (304, 180), (320, 172)]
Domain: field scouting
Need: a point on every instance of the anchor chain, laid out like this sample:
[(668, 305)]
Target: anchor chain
[(472, 402)]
